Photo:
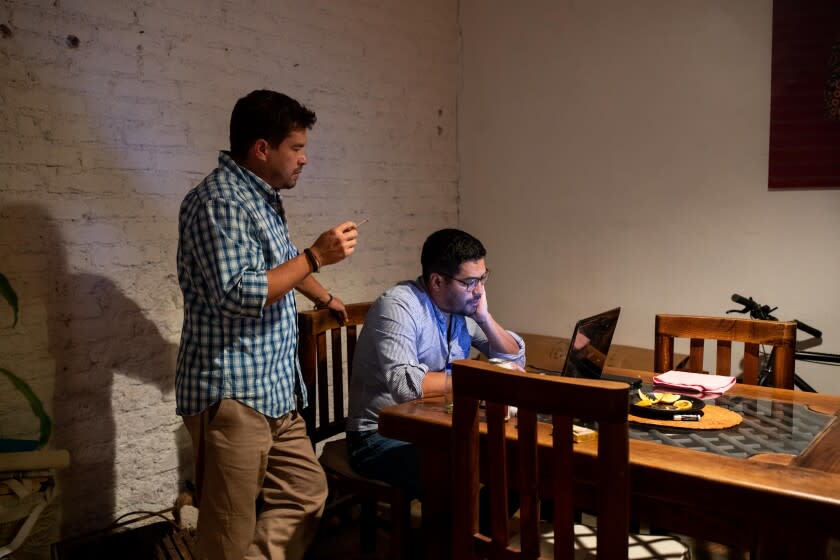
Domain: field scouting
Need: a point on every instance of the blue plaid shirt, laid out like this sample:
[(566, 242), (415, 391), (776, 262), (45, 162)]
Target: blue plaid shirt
[(233, 346)]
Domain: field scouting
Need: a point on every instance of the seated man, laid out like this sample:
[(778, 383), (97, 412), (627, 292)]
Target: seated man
[(410, 334)]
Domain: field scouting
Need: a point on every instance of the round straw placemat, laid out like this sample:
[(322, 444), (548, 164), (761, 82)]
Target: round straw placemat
[(714, 418)]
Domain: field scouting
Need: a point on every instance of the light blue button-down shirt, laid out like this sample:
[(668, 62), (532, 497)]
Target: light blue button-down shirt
[(233, 345), (405, 335)]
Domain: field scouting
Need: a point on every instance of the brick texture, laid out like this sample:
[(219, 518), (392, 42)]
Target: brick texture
[(109, 112)]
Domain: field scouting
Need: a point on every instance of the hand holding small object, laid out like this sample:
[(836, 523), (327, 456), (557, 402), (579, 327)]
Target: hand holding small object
[(335, 245)]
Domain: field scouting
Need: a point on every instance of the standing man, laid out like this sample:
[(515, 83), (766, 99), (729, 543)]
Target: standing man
[(260, 488), (411, 332)]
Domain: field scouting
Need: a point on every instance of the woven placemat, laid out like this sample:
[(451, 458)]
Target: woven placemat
[(714, 418)]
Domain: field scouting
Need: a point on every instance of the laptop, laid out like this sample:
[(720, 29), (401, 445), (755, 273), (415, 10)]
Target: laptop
[(588, 348)]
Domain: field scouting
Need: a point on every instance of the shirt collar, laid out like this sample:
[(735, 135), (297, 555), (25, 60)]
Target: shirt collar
[(265, 190), (440, 316)]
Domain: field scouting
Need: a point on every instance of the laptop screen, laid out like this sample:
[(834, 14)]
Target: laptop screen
[(590, 344)]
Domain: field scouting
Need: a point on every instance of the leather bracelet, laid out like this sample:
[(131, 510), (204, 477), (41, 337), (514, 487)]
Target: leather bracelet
[(313, 261), (325, 304)]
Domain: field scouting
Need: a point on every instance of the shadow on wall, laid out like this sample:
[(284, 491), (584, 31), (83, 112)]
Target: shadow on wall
[(93, 331)]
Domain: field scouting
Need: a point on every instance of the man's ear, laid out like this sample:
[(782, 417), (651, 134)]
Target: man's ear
[(435, 282), (259, 149)]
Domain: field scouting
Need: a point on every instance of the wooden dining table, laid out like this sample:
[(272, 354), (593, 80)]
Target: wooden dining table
[(766, 497)]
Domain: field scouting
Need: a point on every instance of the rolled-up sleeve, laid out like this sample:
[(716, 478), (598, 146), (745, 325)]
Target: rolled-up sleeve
[(230, 258), (396, 331), (479, 341)]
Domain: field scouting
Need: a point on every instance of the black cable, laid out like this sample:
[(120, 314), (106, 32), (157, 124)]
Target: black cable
[(142, 515)]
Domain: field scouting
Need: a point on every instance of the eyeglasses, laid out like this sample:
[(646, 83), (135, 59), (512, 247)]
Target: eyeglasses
[(470, 283)]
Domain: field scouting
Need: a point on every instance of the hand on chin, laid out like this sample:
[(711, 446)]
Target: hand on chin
[(472, 311)]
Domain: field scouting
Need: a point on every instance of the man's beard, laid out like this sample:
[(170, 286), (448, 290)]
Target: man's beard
[(470, 307)]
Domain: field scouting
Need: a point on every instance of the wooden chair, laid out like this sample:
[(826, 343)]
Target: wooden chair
[(752, 332), (563, 399), (324, 374)]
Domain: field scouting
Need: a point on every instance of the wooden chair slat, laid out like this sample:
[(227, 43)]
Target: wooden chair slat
[(724, 357), (529, 502), (337, 375), (322, 391), (695, 359), (497, 473), (563, 466)]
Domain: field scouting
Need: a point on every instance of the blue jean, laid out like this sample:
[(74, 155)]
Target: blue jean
[(398, 463), (389, 460)]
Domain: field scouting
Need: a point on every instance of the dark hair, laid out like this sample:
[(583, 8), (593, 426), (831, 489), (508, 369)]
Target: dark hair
[(268, 115), (445, 250)]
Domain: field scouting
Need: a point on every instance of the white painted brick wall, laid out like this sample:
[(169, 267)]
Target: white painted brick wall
[(98, 145)]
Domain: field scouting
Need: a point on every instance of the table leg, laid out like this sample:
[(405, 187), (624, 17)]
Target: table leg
[(436, 503)]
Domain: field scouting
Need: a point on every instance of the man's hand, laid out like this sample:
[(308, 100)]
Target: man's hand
[(481, 314), (336, 307), (500, 340), (335, 244)]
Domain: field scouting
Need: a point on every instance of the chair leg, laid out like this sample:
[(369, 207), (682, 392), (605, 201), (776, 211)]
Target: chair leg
[(367, 526), (400, 526)]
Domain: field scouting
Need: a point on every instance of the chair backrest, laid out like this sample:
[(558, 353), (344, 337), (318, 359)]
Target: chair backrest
[(781, 335), (324, 367), (564, 399)]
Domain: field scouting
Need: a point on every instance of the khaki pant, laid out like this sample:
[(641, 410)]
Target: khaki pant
[(259, 486)]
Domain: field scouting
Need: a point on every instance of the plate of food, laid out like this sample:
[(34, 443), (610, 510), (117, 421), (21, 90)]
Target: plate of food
[(664, 405)]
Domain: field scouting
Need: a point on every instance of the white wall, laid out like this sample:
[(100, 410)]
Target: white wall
[(615, 153), (101, 138)]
